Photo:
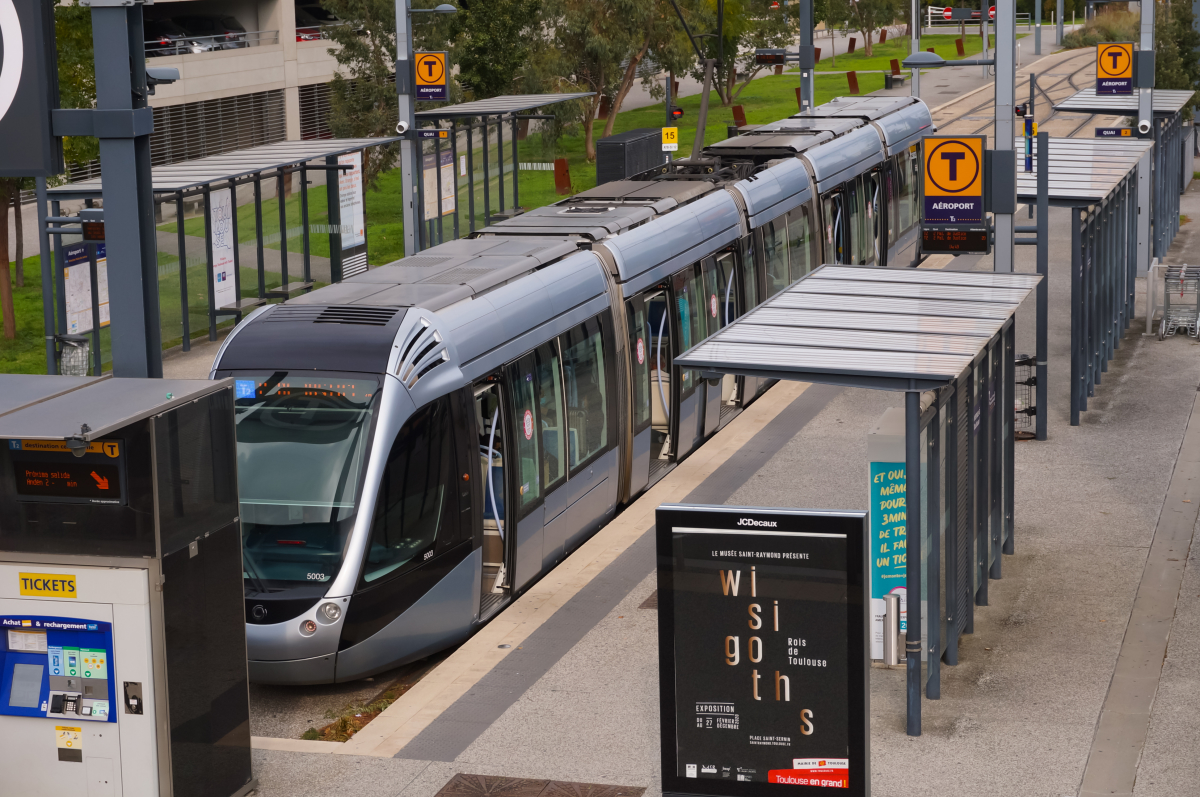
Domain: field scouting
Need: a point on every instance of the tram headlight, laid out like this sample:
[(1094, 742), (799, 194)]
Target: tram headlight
[(329, 613), (308, 628)]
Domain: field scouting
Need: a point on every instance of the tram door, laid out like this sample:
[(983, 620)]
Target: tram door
[(660, 384), (874, 197), (642, 391), (837, 231), (490, 424), (687, 291)]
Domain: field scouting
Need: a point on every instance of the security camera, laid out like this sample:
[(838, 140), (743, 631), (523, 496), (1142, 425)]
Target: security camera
[(402, 127), (1144, 127)]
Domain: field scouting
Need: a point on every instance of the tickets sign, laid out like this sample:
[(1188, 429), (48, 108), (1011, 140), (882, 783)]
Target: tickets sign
[(1114, 68), (953, 168)]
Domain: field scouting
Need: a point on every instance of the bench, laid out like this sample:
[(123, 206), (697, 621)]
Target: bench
[(894, 81)]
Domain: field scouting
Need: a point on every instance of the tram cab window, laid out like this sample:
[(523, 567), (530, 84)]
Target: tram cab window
[(411, 509), (586, 392), (800, 242), (301, 442), (775, 255)]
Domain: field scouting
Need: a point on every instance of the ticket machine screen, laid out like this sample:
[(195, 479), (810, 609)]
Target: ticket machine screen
[(57, 667)]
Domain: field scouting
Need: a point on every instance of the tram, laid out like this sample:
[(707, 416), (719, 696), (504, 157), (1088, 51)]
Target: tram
[(420, 443)]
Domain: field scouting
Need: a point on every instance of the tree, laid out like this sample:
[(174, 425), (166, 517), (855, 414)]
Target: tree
[(865, 16), (76, 74), (748, 24), (591, 38), (492, 40), (6, 288), (1177, 62), (662, 40)]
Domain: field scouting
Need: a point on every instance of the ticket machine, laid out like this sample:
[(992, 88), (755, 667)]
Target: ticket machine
[(122, 641)]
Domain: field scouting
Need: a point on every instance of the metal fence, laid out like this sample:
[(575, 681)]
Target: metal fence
[(193, 45)]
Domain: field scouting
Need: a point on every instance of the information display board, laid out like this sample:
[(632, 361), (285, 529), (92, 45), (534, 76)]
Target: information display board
[(224, 261), (48, 471), (353, 215), (77, 286), (1114, 68), (952, 219), (954, 240), (763, 651)]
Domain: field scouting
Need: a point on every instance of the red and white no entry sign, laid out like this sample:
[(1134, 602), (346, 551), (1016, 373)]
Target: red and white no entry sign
[(948, 13), (992, 12)]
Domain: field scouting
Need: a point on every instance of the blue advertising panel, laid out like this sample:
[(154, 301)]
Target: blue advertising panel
[(888, 546)]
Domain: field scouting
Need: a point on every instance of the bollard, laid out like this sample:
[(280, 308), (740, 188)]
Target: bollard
[(895, 66), (930, 49), (882, 35), (799, 101), (816, 55), (850, 49), (739, 116), (562, 177), (779, 69), (603, 114), (958, 45), (891, 630), (852, 79)]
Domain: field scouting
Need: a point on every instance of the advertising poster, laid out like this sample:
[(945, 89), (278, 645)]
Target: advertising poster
[(221, 218), (888, 541), (762, 644), (77, 279), (353, 215), (430, 175)]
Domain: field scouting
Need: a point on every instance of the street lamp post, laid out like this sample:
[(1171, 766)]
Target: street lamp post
[(407, 119)]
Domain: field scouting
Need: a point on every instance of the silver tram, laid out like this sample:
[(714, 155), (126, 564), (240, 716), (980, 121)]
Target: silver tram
[(420, 443)]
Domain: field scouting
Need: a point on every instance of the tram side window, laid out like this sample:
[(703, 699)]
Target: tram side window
[(726, 289), (749, 272), (550, 415), (800, 242), (526, 412), (586, 391), (639, 363), (775, 245), (835, 228), (410, 509), (857, 220)]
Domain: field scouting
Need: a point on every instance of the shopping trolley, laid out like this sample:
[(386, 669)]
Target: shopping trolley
[(1181, 305)]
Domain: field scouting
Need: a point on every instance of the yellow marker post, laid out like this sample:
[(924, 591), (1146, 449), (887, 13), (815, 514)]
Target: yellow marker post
[(1114, 68), (670, 139)]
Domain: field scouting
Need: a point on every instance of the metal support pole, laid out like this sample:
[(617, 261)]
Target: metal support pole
[(454, 170), (1043, 290), (805, 13), (437, 171), (47, 279), (702, 117), (1058, 23), (500, 162), (283, 266), (912, 487), (333, 201), (914, 30), (208, 264), (1037, 27), (1077, 386), (471, 177), (986, 39), (933, 686), (237, 249), (1146, 44), (995, 415), (1008, 439), (487, 187), (60, 274), (669, 121), (1006, 37), (181, 245), (953, 532), (408, 121), (131, 248), (516, 161), (94, 278), (258, 225), (304, 239)]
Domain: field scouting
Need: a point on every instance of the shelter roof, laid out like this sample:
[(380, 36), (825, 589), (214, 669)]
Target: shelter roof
[(1166, 102), (1082, 170), (187, 175), (891, 329), (499, 106)]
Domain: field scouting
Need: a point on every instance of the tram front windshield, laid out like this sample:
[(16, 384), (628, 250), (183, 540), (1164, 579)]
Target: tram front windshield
[(301, 442)]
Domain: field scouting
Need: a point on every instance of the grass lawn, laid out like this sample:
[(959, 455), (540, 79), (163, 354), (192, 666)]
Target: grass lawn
[(882, 54)]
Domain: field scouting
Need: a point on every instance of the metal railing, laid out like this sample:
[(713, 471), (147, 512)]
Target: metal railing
[(934, 19), (191, 45)]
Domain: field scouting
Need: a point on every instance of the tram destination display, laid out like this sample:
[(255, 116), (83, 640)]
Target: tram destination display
[(763, 665)]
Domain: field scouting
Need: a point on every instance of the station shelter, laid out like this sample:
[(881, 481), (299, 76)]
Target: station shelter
[(1172, 159), (946, 340), (234, 231)]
